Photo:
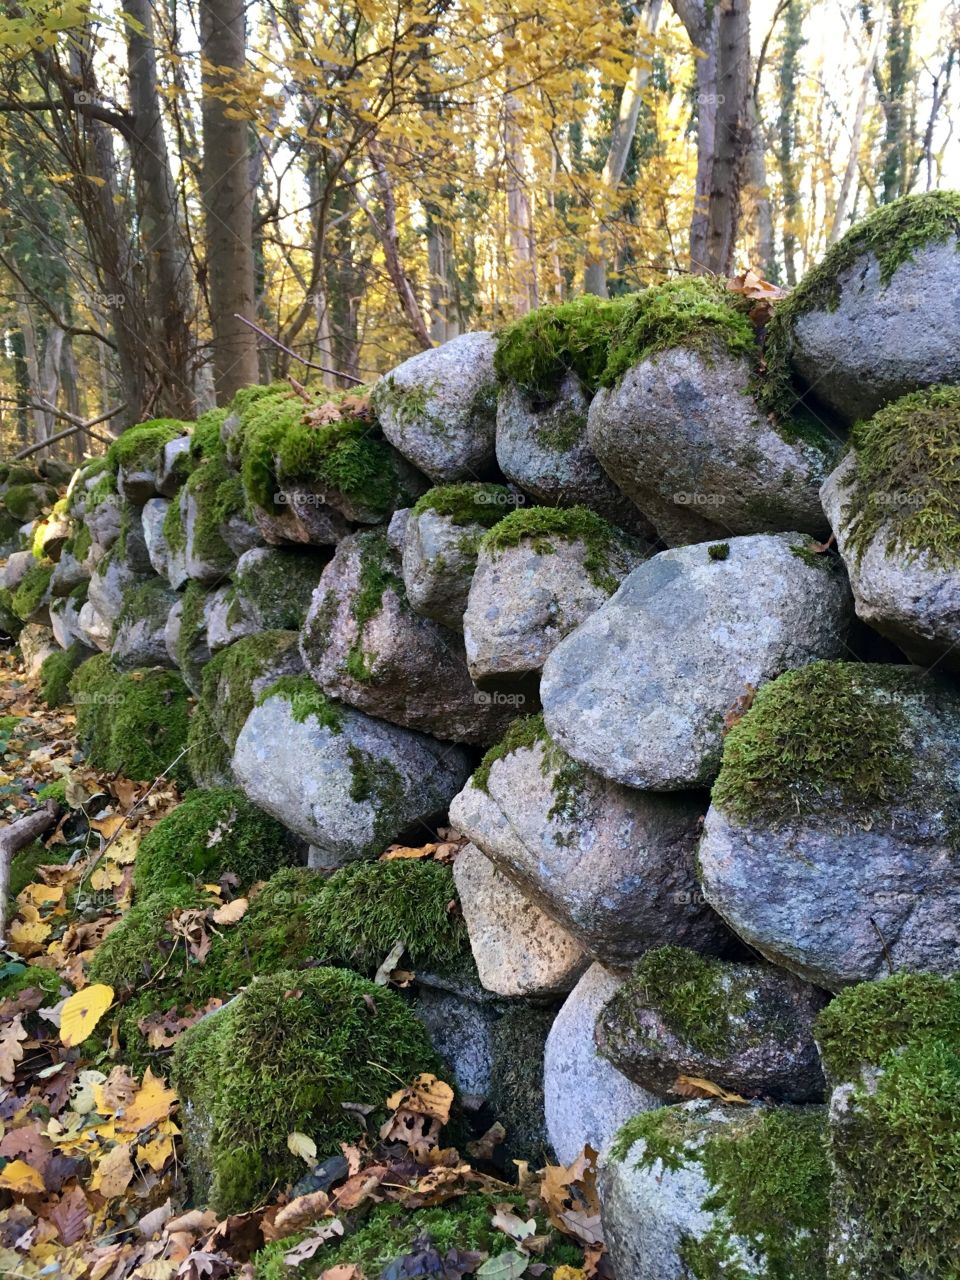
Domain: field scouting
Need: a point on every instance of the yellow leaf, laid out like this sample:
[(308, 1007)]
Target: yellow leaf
[(695, 1087), (21, 1177), (26, 937), (152, 1104), (155, 1153), (231, 912), (38, 894), (302, 1146), (107, 876), (114, 1173), (82, 1011), (109, 825)]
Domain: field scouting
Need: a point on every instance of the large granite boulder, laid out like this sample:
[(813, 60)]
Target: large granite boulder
[(234, 678), (613, 866), (707, 1190), (586, 1099), (857, 330), (891, 503), (640, 690), (364, 645), (540, 572), (830, 844), (340, 780), (273, 587), (439, 408), (518, 950), (684, 437), (748, 1028), (110, 582)]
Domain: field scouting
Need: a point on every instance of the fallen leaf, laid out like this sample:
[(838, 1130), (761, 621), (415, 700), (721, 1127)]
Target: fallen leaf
[(114, 1173), (82, 1011), (487, 1143), (506, 1220), (11, 1049), (21, 1178), (231, 912), (695, 1087), (504, 1266), (302, 1146), (152, 1104), (390, 962), (69, 1215)]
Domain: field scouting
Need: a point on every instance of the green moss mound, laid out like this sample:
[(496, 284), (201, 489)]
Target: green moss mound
[(364, 909), (141, 945), (55, 672), (537, 351), (192, 628), (142, 446), (26, 501), (307, 701), (279, 585), (908, 477), (208, 756), (205, 439), (34, 586), (134, 722), (344, 456), (218, 494), (867, 1022), (688, 991), (483, 504), (826, 737), (10, 624), (208, 834), (329, 1037), (229, 677), (16, 978), (543, 527)]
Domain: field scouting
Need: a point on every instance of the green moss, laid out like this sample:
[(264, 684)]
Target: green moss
[(345, 456), (229, 677), (543, 527), (208, 755), (825, 738), (537, 351), (265, 419), (379, 781), (482, 504), (142, 446), (34, 586), (688, 992), (142, 945), (15, 473), (54, 791), (696, 312), (569, 777), (893, 234), (205, 439), (907, 477), (135, 722), (867, 1022), (174, 533), (375, 577), (10, 624), (26, 501), (719, 551), (55, 673), (23, 868), (218, 494), (106, 487), (307, 701), (192, 629), (209, 834), (367, 907), (80, 545), (329, 1037), (522, 735), (18, 978), (148, 600), (280, 586)]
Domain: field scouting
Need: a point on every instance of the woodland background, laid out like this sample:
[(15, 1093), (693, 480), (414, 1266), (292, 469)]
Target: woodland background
[(365, 179)]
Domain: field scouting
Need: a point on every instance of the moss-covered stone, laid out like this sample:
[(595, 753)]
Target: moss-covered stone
[(211, 833), (366, 908), (135, 722), (208, 755), (543, 527), (229, 678), (377, 575), (27, 501), (537, 351), (142, 446), (149, 602), (329, 1036), (307, 701), (276, 585), (217, 494), (10, 624), (907, 477), (464, 504), (56, 670), (33, 589), (828, 735), (525, 734), (205, 439)]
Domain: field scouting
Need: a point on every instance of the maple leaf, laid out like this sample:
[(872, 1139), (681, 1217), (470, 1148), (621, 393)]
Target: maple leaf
[(11, 1049), (153, 1103), (570, 1194), (114, 1173)]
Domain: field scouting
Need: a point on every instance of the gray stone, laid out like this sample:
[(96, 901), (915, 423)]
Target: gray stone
[(273, 587), (523, 600), (683, 428), (254, 663), (756, 1039), (68, 574), (152, 517), (139, 634), (586, 1099), (137, 483), (838, 894), (397, 530), (109, 583), (225, 620), (439, 408), (54, 533), (65, 620), (240, 533), (36, 644), (613, 866), (878, 342), (640, 690), (130, 549), (95, 631), (19, 563), (103, 520), (462, 1034), (439, 559), (392, 663), (171, 635), (350, 789), (913, 600), (544, 449), (174, 465), (284, 526), (518, 950)]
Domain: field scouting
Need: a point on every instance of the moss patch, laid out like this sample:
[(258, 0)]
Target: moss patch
[(142, 446), (205, 439), (229, 677), (543, 527), (719, 551), (365, 908), (34, 586), (376, 576), (17, 978), (23, 868), (279, 584), (217, 493), (212, 832), (26, 501), (483, 504), (55, 672), (537, 351), (208, 755), (325, 1045), (525, 734), (824, 738), (907, 477), (307, 701), (344, 456)]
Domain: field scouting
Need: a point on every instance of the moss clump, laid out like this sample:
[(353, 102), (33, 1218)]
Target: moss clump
[(696, 312), (205, 439), (365, 908), (26, 501), (375, 577), (523, 735), (867, 1022), (17, 978), (174, 534), (329, 1037), (211, 833), (543, 527), (208, 755), (54, 791), (55, 672), (192, 628), (33, 588), (344, 456), (23, 868), (907, 477), (827, 737), (142, 446), (894, 234), (537, 351), (719, 551), (379, 781), (142, 945), (265, 419), (10, 624), (482, 504), (279, 585), (218, 494), (79, 546), (150, 601), (688, 992), (228, 679), (135, 722), (307, 701), (569, 777)]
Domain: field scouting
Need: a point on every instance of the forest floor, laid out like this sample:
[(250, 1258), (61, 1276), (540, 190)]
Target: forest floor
[(92, 1186)]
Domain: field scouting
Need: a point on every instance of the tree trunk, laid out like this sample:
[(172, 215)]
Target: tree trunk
[(788, 76), (732, 135), (49, 384), (443, 288), (519, 211), (227, 200), (856, 134), (701, 22), (761, 214), (167, 267)]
